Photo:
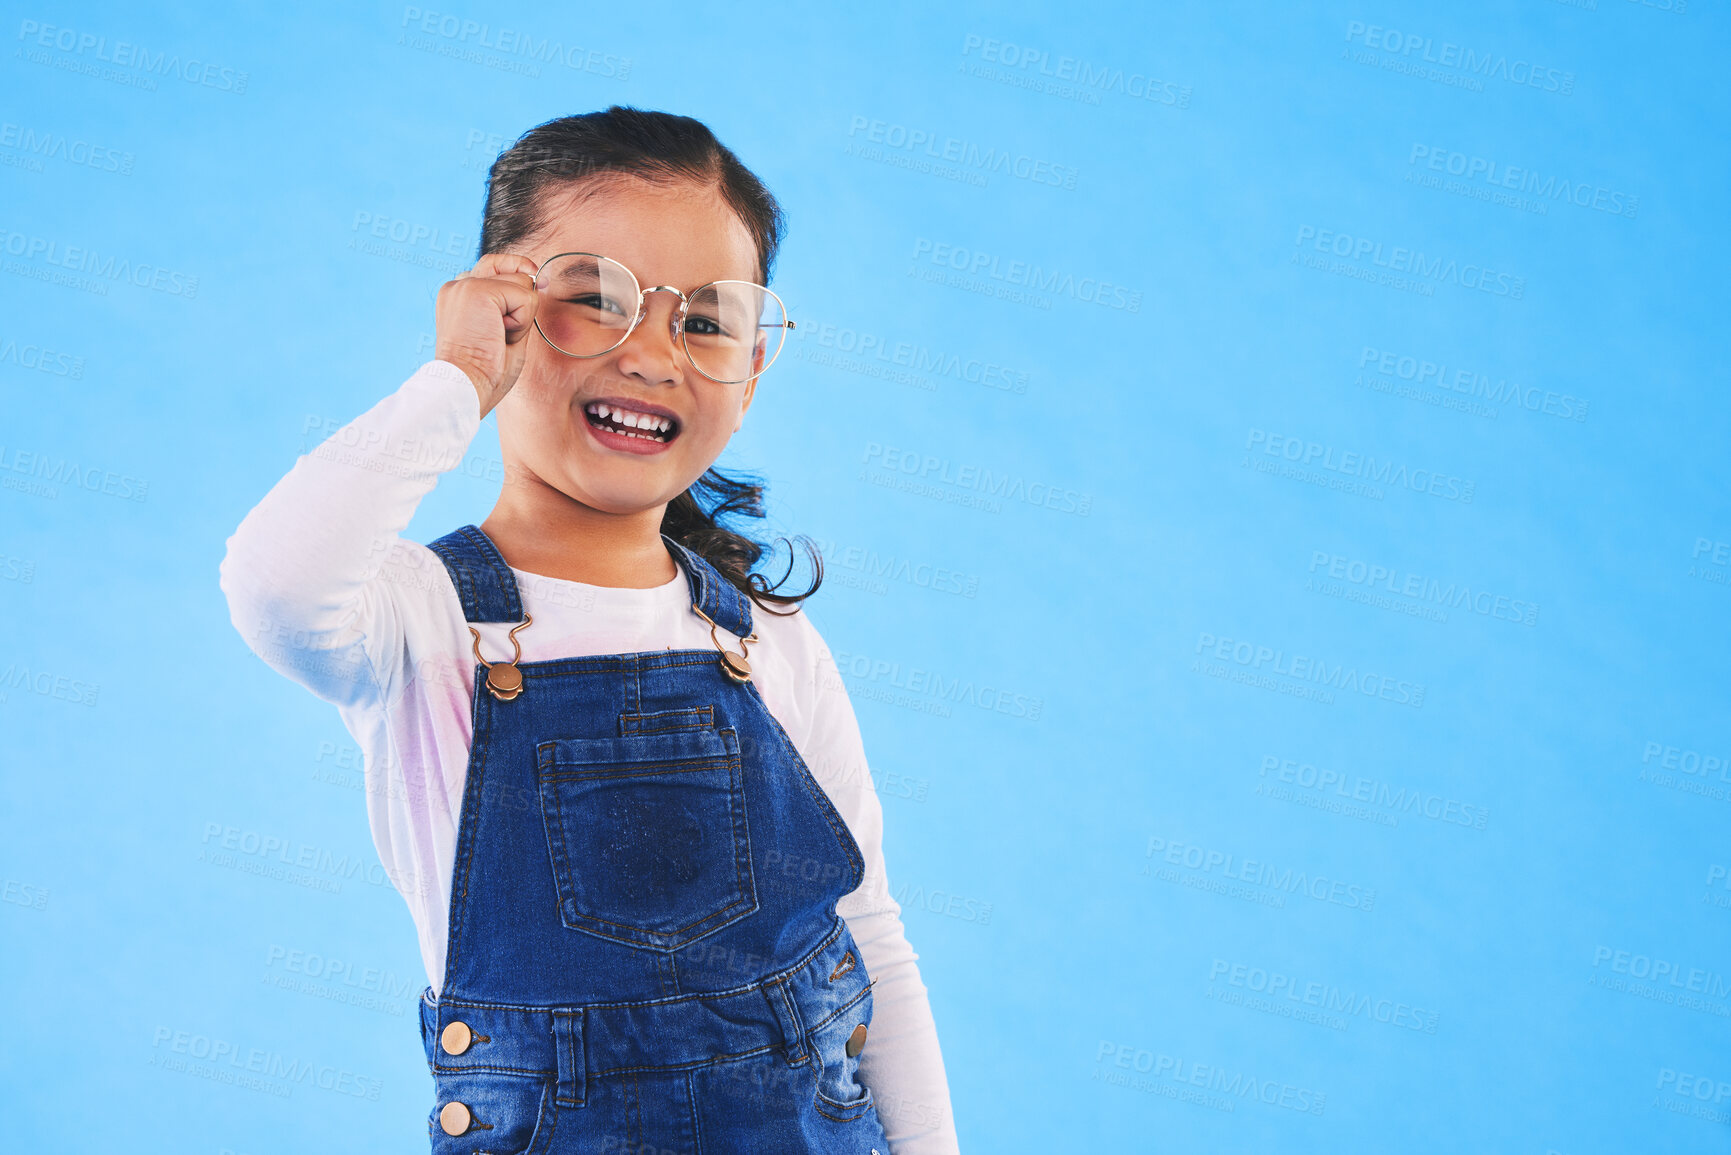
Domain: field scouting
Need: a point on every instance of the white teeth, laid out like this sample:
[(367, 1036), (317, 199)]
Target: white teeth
[(653, 426)]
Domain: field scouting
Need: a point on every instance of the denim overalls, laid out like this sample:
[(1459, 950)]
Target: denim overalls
[(644, 954)]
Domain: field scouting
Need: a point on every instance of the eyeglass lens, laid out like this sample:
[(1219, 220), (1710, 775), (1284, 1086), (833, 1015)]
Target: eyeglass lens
[(733, 329)]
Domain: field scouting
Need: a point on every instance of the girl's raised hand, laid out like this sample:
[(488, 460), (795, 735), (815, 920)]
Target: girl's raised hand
[(482, 318)]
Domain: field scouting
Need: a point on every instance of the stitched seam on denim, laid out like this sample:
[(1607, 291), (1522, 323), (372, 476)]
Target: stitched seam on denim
[(741, 609), (752, 988), (466, 820), (643, 935), (660, 933), (841, 1010), (853, 1110), (838, 828), (642, 730), (799, 1031), (550, 772), (450, 560), (547, 754), (604, 664), (504, 581), (711, 602), (702, 716), (687, 1065), (575, 1039), (858, 1108), (699, 571), (742, 874), (696, 1127), (549, 758), (463, 556), (811, 961), (740, 613), (489, 1068), (548, 1115), (632, 1104), (696, 577)]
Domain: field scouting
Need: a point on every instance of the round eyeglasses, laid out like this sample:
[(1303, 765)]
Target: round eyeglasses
[(589, 304)]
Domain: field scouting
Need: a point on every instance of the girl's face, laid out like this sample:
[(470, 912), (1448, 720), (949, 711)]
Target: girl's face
[(679, 234)]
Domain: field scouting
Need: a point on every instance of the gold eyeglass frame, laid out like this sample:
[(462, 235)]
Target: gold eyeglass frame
[(678, 323)]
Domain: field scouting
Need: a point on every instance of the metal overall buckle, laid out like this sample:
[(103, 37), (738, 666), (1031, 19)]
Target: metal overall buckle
[(735, 666), (504, 679)]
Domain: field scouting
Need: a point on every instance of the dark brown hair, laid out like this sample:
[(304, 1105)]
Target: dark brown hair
[(662, 148)]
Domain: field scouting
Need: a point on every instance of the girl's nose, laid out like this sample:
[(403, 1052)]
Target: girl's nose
[(652, 353)]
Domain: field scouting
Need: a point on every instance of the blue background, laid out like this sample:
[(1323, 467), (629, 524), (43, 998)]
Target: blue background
[(1514, 938)]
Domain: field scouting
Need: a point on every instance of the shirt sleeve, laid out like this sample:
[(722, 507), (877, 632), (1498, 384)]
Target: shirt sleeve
[(902, 1063), (302, 571)]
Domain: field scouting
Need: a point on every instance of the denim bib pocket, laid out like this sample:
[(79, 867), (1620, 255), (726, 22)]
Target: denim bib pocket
[(647, 834)]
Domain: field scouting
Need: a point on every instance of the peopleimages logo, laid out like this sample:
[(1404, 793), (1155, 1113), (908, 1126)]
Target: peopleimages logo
[(1687, 979), (1372, 576), (45, 145), (1331, 998), (1024, 274), (927, 470), (1384, 799), (147, 67), (464, 33), (1307, 455), (919, 680), (1231, 1087), (88, 261), (228, 1062), (1415, 49), (40, 358), (1302, 669), (1284, 881), (1524, 180), (1084, 76), (1410, 262), (930, 145), (1471, 383), (874, 354), (65, 471)]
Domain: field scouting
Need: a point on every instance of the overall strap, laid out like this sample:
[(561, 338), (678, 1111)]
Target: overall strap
[(726, 606), (485, 584), (488, 589)]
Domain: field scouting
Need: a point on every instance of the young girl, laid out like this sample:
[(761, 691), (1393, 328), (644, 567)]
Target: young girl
[(623, 794)]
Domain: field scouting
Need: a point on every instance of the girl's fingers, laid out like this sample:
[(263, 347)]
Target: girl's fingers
[(517, 301), (518, 307), (495, 299), (510, 265)]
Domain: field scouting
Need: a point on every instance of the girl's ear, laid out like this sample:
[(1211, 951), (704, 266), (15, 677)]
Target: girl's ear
[(745, 402)]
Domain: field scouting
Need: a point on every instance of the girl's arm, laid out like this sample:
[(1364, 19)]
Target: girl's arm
[(902, 1062), (302, 572)]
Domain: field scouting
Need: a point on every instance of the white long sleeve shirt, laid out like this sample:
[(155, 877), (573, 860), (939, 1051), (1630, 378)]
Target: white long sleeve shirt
[(323, 587)]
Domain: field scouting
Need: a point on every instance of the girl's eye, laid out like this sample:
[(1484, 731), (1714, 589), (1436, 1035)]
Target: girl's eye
[(704, 327), (597, 301)]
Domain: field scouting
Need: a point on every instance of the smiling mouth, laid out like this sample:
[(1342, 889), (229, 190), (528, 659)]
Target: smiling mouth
[(631, 422)]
